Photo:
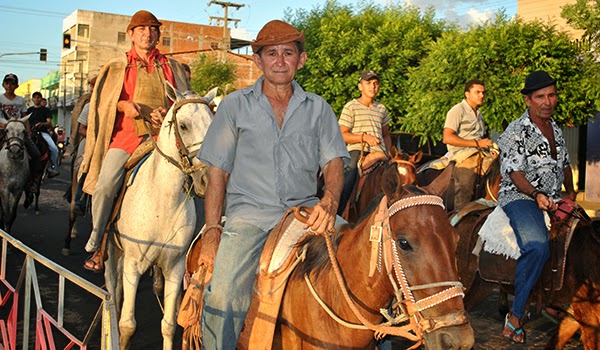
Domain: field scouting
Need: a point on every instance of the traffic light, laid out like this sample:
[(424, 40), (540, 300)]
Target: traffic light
[(43, 54), (66, 41)]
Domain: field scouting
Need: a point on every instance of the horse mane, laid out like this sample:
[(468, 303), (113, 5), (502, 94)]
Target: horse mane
[(586, 242), (317, 258)]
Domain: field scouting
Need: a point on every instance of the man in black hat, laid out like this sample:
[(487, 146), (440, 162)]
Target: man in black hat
[(534, 165), (363, 121)]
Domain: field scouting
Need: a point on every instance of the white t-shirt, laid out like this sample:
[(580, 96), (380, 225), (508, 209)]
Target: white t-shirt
[(14, 108)]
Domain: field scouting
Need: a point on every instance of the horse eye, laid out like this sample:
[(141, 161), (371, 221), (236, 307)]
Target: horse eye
[(183, 126), (403, 243)]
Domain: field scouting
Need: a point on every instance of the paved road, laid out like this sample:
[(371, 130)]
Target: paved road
[(45, 233)]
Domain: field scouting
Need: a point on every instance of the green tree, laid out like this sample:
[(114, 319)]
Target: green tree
[(209, 72), (583, 15), (501, 53), (341, 42)]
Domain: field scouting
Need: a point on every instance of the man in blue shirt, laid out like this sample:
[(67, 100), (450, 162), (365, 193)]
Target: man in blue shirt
[(264, 151)]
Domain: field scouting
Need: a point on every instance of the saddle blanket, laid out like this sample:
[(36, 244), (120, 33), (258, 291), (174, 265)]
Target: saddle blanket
[(498, 237)]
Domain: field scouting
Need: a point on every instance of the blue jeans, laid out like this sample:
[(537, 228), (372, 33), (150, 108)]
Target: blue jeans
[(527, 220), (227, 298), (52, 148)]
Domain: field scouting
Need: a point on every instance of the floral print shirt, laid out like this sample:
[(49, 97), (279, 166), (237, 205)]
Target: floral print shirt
[(524, 148)]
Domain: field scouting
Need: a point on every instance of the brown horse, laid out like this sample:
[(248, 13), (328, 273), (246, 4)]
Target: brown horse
[(33, 197), (371, 185), (581, 289), (425, 175), (415, 257)]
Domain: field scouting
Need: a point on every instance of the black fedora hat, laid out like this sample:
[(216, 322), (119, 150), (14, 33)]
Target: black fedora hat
[(537, 80)]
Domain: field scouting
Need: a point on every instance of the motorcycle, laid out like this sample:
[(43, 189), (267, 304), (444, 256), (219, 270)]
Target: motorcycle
[(62, 141)]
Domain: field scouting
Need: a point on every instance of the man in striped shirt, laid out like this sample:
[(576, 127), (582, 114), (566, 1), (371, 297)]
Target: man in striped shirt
[(363, 120)]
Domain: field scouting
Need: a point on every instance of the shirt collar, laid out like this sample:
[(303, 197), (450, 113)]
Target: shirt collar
[(256, 89), (133, 55)]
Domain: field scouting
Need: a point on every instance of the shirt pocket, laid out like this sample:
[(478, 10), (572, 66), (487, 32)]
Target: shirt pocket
[(303, 152)]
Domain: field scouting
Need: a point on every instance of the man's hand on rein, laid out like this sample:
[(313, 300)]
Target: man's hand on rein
[(323, 216)]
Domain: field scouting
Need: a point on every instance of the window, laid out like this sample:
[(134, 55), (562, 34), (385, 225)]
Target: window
[(83, 30), (121, 38), (214, 46), (166, 41)]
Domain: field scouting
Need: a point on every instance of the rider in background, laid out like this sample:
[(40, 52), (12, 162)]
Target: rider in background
[(363, 120), (13, 106), (41, 119), (534, 165), (129, 98), (466, 137), (78, 135), (264, 149)]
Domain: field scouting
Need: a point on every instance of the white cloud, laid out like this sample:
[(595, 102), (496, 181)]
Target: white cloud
[(240, 33), (465, 12)]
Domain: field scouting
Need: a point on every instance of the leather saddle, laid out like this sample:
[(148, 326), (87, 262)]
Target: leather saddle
[(553, 275)]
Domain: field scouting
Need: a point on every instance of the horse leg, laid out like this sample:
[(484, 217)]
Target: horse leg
[(172, 291), (71, 232), (127, 323), (37, 201), (566, 330)]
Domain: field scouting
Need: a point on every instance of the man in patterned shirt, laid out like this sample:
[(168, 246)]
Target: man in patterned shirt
[(534, 165), (363, 120)]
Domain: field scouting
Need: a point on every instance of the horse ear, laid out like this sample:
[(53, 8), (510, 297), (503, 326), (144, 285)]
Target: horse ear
[(25, 118), (441, 183), (393, 152), (211, 95), (391, 181), (416, 158), (172, 93)]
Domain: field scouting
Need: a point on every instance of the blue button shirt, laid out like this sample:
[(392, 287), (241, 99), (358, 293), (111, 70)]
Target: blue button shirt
[(271, 169)]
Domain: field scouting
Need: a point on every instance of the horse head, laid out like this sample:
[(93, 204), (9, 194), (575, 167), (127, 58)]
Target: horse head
[(423, 263), (15, 133), (183, 130), (405, 164)]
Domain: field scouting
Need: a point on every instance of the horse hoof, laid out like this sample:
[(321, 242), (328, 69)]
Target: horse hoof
[(66, 251)]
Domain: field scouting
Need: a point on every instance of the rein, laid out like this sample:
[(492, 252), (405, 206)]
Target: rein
[(185, 164), (384, 248)]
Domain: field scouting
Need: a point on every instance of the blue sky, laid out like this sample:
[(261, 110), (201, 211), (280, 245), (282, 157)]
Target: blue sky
[(36, 24)]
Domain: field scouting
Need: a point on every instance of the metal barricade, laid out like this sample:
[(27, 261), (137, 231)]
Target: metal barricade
[(45, 323)]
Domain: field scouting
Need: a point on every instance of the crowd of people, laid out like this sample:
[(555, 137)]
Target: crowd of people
[(40, 121), (269, 141)]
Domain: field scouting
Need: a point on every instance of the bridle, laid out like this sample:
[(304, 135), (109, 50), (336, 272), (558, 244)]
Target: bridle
[(185, 155), (15, 141), (385, 257)]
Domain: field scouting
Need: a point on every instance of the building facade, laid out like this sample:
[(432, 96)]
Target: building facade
[(96, 37)]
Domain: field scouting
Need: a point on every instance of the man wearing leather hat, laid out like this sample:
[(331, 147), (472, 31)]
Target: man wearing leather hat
[(534, 166), (260, 137), (128, 99)]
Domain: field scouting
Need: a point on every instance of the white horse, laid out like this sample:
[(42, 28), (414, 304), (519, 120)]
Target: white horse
[(14, 169), (158, 216)]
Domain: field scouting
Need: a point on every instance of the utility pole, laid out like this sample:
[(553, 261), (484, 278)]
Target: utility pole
[(225, 20)]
